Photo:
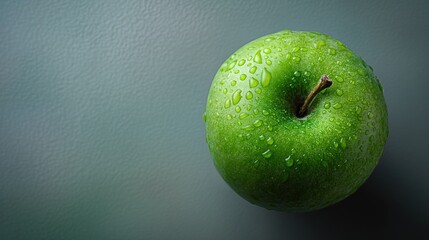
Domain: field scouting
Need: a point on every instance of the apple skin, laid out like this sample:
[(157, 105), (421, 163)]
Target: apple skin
[(274, 159)]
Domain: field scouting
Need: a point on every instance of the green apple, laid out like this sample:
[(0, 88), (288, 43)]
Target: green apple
[(295, 121)]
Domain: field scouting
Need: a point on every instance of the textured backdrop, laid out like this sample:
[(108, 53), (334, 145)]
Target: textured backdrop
[(101, 135)]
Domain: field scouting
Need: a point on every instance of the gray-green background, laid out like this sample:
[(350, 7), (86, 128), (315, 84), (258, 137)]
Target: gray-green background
[(101, 135)]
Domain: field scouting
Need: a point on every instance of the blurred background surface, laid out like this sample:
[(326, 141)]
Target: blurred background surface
[(101, 135)]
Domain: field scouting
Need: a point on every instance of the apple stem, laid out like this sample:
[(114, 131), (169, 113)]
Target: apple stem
[(324, 82)]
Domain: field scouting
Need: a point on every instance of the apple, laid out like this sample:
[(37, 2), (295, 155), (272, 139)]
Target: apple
[(295, 121)]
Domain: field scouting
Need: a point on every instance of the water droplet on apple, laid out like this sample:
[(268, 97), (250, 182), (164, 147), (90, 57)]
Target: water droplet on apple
[(343, 143), (358, 110), (295, 49), (307, 73), (257, 58), (265, 112), (380, 86), (253, 82), (289, 161), (204, 117), (296, 59), (270, 141), (229, 117), (243, 115), (258, 90), (257, 123), (241, 62), (227, 103), (339, 92), (269, 62), (249, 95), (332, 51), (335, 144), (253, 69), (331, 119), (262, 137), (248, 128), (327, 105), (320, 43), (255, 162), (243, 76), (256, 111), (231, 65), (339, 63), (370, 115), (267, 154), (225, 91), (297, 73), (338, 105), (339, 79), (266, 78), (233, 83), (371, 138), (236, 97), (267, 50), (237, 109), (362, 72)]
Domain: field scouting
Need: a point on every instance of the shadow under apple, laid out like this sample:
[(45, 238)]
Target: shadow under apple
[(377, 210)]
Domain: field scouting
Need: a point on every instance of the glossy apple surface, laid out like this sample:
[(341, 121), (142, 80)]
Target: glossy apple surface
[(265, 152)]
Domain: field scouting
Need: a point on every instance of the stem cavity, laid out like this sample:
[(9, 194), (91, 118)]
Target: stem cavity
[(324, 82)]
